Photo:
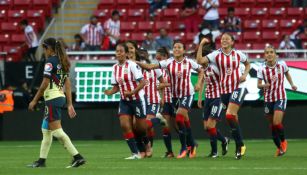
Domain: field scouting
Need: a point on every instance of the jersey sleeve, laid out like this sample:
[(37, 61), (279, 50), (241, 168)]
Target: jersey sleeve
[(259, 73), (243, 57), (83, 29), (211, 56), (159, 73), (284, 65), (48, 68), (113, 79), (195, 66), (136, 71), (163, 63)]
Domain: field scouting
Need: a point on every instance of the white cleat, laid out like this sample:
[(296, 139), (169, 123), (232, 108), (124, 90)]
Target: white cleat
[(162, 119), (134, 157)]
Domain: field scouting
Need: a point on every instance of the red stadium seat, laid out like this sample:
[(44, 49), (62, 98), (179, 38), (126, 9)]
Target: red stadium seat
[(259, 13), (247, 3), (9, 27), (271, 36), (264, 3), (56, 3), (295, 13), (14, 54), (18, 39), (127, 26), (5, 5), (43, 5), (252, 36), (259, 46), (21, 4), (270, 24), (124, 4), (136, 15), (189, 37), (278, 13), (141, 4), (163, 24), (178, 26), (177, 36), (287, 24), (3, 16), (5, 39), (16, 15), (282, 3), (138, 37), (249, 25), (170, 14), (242, 46), (222, 12), (125, 37), (229, 3), (107, 4), (237, 36), (145, 26), (243, 12)]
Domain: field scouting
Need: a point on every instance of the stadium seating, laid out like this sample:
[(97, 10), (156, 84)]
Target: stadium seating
[(12, 12)]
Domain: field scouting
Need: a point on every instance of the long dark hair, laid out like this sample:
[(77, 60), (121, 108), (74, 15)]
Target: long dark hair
[(58, 47), (139, 53), (164, 52)]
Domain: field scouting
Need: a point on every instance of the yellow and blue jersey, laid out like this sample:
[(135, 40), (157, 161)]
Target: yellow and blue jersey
[(53, 71)]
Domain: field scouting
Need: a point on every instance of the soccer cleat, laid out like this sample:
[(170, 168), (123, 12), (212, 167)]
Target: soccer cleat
[(213, 155), (243, 149), (182, 154), (163, 121), (169, 155), (36, 164), (238, 156), (225, 146), (76, 163), (279, 152), (284, 146), (134, 157), (192, 151)]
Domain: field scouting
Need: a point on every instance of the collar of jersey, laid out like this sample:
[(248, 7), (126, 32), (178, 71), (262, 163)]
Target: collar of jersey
[(225, 53), (181, 60), (271, 67)]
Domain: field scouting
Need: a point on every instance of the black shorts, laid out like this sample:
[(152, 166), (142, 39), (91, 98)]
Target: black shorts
[(168, 109), (183, 102), (279, 105), (237, 97), (135, 108), (212, 108), (53, 109)]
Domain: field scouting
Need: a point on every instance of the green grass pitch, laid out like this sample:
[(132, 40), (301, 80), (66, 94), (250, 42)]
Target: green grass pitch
[(107, 157)]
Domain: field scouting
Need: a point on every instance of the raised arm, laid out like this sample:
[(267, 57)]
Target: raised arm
[(289, 78), (200, 79), (147, 66), (199, 57)]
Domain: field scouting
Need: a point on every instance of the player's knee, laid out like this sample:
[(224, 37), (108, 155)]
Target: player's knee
[(180, 118), (59, 134)]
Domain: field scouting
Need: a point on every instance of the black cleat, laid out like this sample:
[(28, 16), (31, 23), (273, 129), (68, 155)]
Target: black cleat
[(76, 163), (36, 164), (213, 155), (238, 155), (225, 146)]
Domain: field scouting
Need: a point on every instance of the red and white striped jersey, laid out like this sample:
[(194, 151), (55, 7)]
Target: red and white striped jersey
[(212, 80), (275, 77), (31, 37), (113, 27), (126, 76), (180, 73), (151, 91), (93, 34), (167, 90), (228, 65)]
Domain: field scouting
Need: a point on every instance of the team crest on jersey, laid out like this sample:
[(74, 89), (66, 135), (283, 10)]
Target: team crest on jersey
[(125, 71), (48, 67), (274, 78), (185, 66), (233, 58), (46, 110), (228, 71)]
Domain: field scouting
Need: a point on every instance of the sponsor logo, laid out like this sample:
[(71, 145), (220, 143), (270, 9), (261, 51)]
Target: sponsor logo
[(48, 67)]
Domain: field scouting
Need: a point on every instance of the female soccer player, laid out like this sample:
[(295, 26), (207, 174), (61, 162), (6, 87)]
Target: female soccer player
[(55, 79), (180, 69), (128, 79), (166, 104), (213, 106), (272, 72), (227, 59)]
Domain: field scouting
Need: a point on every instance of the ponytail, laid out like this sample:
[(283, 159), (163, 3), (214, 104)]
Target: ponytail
[(60, 52)]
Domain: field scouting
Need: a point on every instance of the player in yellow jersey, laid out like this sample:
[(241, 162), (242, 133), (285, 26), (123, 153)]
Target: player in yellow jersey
[(54, 83)]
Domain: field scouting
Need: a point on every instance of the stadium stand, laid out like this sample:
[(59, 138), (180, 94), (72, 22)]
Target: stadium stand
[(37, 12)]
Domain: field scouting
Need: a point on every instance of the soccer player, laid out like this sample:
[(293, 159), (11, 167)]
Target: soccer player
[(128, 79), (55, 80), (272, 73), (180, 68), (168, 111), (227, 60), (213, 105)]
